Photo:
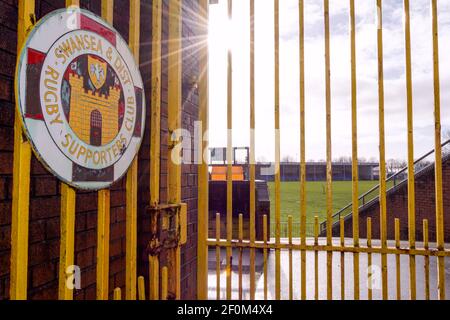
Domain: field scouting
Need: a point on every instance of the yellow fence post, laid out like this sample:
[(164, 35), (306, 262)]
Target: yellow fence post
[(21, 180), (383, 232), (438, 153), (355, 174), (103, 233), (252, 150), (329, 189), (277, 149), (104, 203), (369, 257), (265, 235), (174, 115), (410, 138), (131, 182), (141, 288), (67, 245), (218, 262), (426, 260), (203, 173), (229, 158), (302, 148), (397, 258), (316, 258), (342, 244), (155, 135)]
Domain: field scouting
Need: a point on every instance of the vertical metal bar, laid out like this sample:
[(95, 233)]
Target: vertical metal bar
[(164, 283), (218, 257), (426, 260), (203, 174), (397, 259), (103, 233), (316, 258), (67, 226), (21, 181), (155, 147), (72, 3), (67, 245), (131, 182), (291, 286), (342, 243), (155, 135), (265, 235), (241, 237), (153, 277), (302, 149), (277, 150), (438, 153), (410, 137), (108, 10), (229, 156), (382, 147), (174, 101), (369, 257), (252, 150), (117, 294), (104, 197), (141, 288), (329, 190), (355, 174)]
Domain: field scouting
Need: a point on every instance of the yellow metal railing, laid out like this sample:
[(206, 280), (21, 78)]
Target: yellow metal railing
[(169, 282), (333, 246)]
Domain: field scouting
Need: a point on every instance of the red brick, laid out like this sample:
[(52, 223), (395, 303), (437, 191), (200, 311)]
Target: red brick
[(84, 240), (37, 231), (6, 163), (44, 207), (6, 89), (43, 252), (43, 274), (45, 186), (52, 228), (5, 213), (115, 248), (3, 189), (5, 238), (4, 263), (85, 258)]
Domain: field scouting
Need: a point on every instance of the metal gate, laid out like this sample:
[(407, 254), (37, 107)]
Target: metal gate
[(168, 227), (361, 252)]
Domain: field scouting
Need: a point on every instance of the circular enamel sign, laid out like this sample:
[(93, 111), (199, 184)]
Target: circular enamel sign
[(81, 98)]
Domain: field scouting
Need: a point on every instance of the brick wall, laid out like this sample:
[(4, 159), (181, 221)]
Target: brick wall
[(397, 207), (45, 190)]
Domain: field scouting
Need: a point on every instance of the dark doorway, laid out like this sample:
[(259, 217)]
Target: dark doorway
[(96, 128)]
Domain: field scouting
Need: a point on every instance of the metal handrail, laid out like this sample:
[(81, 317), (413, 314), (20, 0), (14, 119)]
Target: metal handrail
[(362, 199)]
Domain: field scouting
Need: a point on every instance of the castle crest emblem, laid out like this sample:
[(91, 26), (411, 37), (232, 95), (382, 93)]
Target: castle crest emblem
[(81, 99)]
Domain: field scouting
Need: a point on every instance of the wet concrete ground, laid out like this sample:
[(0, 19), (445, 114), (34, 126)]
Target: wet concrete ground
[(322, 260)]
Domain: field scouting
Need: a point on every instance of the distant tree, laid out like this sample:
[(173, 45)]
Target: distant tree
[(344, 159), (446, 137), (288, 159), (394, 165)]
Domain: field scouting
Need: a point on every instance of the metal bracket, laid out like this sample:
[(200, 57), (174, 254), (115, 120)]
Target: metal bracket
[(168, 227)]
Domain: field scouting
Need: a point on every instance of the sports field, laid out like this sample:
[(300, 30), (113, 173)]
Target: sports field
[(315, 199)]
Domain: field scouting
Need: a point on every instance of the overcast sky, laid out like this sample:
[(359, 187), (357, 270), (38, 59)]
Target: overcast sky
[(237, 34)]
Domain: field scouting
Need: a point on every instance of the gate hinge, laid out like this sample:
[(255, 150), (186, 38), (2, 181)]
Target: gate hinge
[(168, 227)]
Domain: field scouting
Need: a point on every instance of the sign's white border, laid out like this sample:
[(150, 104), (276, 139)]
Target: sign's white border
[(41, 38)]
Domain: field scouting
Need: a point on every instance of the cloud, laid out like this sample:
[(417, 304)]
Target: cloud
[(367, 76)]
